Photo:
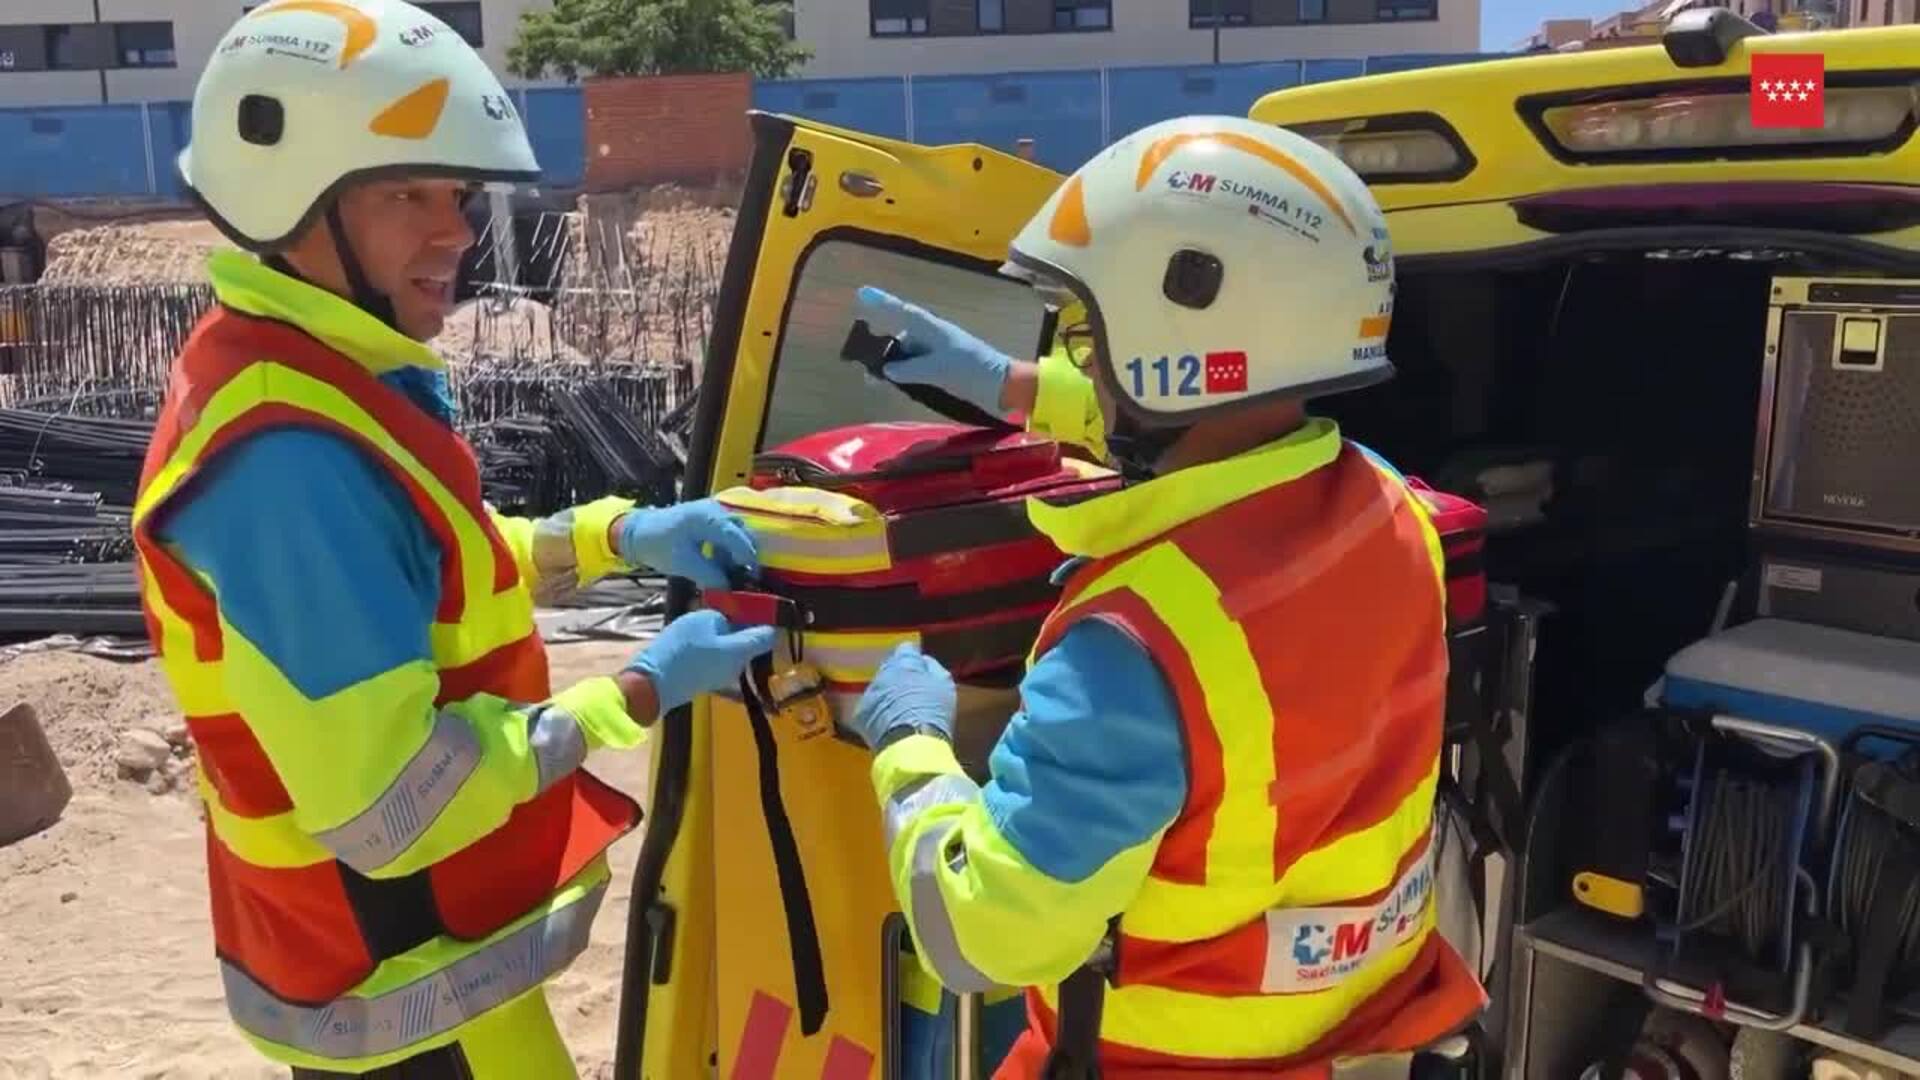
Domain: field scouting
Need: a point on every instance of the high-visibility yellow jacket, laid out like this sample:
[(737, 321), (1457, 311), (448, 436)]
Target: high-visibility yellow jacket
[(404, 848), (1292, 599)]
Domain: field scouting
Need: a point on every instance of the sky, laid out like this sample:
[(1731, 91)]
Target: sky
[(1504, 22)]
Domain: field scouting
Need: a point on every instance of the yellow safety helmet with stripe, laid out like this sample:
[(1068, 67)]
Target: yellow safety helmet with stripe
[(1220, 261), (303, 97)]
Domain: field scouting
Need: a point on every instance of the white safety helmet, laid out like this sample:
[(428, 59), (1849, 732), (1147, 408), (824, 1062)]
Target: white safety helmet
[(302, 97), (1220, 261)]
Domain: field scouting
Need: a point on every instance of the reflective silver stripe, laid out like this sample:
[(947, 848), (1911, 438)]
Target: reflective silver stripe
[(934, 927), (778, 543), (355, 1027), (847, 658), (559, 746), (1395, 1066), (557, 570), (924, 794), (412, 802)]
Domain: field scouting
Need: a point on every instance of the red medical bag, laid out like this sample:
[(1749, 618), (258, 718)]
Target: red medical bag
[(1462, 525), (875, 534)]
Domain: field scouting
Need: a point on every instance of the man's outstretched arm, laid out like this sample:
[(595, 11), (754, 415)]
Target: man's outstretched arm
[(559, 554), (564, 552), (1055, 396)]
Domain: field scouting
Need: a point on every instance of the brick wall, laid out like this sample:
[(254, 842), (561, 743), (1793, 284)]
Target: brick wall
[(654, 129)]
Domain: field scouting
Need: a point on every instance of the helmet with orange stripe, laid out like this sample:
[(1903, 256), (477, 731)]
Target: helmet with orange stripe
[(303, 99), (1221, 262)]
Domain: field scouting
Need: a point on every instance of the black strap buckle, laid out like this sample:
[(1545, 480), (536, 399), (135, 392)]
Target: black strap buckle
[(1076, 1038)]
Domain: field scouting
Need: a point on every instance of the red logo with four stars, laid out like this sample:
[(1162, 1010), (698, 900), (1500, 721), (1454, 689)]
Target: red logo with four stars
[(1788, 91), (1226, 372)]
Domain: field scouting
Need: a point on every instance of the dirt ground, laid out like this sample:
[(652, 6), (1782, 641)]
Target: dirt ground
[(106, 958)]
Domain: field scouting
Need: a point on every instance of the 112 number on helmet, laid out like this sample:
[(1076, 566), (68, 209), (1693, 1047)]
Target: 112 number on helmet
[(1160, 376)]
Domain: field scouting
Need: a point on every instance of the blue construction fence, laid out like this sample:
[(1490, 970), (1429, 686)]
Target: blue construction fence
[(92, 151), (80, 151)]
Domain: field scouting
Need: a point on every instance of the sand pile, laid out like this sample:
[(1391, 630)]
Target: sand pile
[(110, 722), (691, 239), (153, 252)]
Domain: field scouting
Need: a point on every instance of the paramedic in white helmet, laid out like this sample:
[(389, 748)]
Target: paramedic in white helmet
[(1205, 842), (403, 846)]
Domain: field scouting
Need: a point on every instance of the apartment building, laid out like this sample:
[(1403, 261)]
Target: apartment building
[(60, 52), (1643, 23), (76, 52), (933, 37), (1882, 12)]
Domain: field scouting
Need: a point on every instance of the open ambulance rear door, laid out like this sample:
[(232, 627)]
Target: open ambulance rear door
[(710, 986)]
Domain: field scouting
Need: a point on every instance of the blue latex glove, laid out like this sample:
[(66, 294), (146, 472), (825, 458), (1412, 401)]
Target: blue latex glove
[(672, 539), (910, 689), (937, 352), (698, 653)]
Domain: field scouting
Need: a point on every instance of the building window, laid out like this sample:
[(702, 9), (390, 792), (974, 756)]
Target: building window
[(144, 44), (1082, 14), (917, 18), (898, 18), (464, 18), (1201, 13), (1402, 10), (1313, 10), (63, 49)]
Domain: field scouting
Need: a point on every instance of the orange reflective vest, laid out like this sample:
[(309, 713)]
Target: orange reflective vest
[(1288, 918), (297, 930)]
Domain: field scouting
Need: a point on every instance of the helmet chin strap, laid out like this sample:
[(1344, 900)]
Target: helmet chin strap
[(1137, 450), (365, 297)]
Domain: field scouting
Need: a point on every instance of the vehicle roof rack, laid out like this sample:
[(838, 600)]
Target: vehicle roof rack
[(1702, 37)]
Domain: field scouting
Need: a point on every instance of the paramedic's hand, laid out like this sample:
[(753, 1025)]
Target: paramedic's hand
[(673, 541), (911, 691), (937, 352), (698, 653)]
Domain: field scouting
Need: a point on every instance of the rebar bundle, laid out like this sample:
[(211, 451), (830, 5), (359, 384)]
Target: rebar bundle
[(564, 402), (604, 291), (91, 453), (546, 442), (73, 598), (65, 563), (62, 340)]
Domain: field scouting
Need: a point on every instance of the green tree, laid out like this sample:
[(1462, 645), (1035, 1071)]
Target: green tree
[(654, 37)]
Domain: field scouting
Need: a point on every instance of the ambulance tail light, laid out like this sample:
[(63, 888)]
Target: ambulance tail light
[(1402, 148), (1706, 125)]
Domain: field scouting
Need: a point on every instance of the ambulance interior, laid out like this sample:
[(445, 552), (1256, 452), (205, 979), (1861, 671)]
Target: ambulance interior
[(1603, 406)]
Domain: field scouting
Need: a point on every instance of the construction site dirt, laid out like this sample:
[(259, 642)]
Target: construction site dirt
[(108, 968)]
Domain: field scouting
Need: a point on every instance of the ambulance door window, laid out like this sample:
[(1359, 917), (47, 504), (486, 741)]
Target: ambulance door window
[(814, 389)]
